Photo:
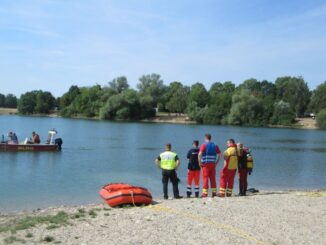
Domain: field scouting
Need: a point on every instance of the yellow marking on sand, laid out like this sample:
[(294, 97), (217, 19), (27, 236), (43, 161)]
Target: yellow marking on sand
[(228, 228), (313, 194)]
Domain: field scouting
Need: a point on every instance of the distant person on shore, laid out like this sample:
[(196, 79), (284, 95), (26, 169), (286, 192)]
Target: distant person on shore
[(35, 138), (208, 158), (229, 170), (169, 162), (193, 169), (245, 166), (12, 138)]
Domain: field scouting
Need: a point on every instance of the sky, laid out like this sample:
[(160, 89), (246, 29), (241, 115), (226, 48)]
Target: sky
[(53, 44)]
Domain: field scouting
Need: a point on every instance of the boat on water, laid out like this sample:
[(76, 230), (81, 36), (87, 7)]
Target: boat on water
[(119, 194), (52, 144)]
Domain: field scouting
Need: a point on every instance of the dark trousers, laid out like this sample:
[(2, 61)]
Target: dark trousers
[(172, 176), (243, 183)]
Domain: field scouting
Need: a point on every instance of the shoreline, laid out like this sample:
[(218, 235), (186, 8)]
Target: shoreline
[(172, 118), (269, 217)]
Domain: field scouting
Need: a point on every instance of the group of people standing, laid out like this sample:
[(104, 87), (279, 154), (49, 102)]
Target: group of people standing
[(204, 159)]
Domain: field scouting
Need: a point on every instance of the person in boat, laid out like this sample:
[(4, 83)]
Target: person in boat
[(208, 158), (245, 165), (229, 170), (12, 138), (193, 169), (35, 138), (169, 162)]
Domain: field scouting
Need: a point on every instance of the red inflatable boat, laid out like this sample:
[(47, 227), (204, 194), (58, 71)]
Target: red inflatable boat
[(118, 194)]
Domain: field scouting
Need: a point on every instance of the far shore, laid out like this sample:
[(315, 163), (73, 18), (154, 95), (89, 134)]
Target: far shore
[(174, 118), (269, 217)]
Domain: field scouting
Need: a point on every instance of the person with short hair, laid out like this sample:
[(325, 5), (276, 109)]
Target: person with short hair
[(12, 138), (35, 138), (245, 165), (169, 162), (208, 158), (229, 170), (193, 169)]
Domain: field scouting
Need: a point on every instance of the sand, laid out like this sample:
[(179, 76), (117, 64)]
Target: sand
[(266, 218)]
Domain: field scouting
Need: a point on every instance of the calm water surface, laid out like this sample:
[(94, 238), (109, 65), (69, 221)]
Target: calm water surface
[(98, 152)]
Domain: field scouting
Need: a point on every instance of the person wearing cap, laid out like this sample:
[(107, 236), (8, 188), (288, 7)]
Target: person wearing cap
[(169, 162), (229, 170), (208, 158)]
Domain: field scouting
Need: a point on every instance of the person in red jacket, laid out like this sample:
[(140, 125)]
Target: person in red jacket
[(229, 170), (208, 158)]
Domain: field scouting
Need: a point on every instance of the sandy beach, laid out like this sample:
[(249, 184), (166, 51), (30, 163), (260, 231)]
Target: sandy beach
[(265, 218)]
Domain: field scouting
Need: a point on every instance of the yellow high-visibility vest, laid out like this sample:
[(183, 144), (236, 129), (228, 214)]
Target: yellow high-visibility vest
[(168, 161)]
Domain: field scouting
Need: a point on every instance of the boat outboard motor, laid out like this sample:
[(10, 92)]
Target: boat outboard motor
[(58, 142)]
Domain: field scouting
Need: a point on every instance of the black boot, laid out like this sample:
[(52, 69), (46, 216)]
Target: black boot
[(188, 194), (240, 190), (197, 194)]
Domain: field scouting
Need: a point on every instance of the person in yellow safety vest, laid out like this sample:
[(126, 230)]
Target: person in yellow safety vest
[(229, 170), (169, 162)]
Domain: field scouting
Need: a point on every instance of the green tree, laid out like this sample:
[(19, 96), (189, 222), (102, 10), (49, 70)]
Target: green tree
[(27, 102), (321, 119), (295, 91), (123, 106), (318, 99), (119, 84), (220, 102), (246, 110), (252, 85), (2, 100), (67, 98), (88, 103), (198, 94), (283, 114), (195, 112), (152, 85), (11, 101), (146, 106), (44, 102), (176, 97)]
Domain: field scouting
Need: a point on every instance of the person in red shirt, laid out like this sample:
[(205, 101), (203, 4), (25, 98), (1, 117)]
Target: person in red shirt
[(35, 138), (208, 158)]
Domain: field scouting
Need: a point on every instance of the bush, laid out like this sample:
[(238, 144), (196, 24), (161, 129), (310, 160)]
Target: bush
[(283, 114), (321, 119)]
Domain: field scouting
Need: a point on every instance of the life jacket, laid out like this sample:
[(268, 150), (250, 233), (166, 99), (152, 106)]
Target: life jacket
[(210, 155), (36, 139), (168, 161), (250, 161), (231, 155)]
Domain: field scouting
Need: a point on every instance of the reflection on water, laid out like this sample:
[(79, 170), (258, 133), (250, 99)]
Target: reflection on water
[(148, 148), (97, 152), (291, 141), (285, 149)]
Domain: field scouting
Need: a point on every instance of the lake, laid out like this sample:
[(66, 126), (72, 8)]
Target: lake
[(98, 152)]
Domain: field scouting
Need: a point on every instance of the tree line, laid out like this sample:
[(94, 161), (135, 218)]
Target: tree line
[(8, 101), (251, 103)]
